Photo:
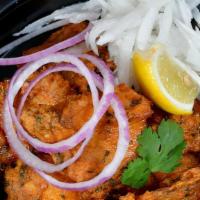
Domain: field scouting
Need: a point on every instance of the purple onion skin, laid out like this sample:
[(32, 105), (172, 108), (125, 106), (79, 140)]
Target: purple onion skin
[(43, 53)]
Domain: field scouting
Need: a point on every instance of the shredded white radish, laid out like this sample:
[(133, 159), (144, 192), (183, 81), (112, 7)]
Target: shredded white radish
[(146, 28), (196, 15), (71, 14), (99, 28), (121, 52), (185, 11), (193, 3), (68, 12), (117, 29), (151, 23), (165, 23), (125, 25), (48, 19)]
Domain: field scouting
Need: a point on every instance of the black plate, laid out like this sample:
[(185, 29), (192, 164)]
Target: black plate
[(15, 15)]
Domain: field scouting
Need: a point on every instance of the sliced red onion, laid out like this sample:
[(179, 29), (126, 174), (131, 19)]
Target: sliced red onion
[(107, 172), (28, 37), (29, 158), (43, 53), (41, 146), (69, 143), (24, 97), (111, 168), (107, 86), (33, 83), (26, 155), (77, 138), (108, 80)]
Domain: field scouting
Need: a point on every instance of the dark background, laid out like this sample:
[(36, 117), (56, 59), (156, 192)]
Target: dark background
[(15, 15)]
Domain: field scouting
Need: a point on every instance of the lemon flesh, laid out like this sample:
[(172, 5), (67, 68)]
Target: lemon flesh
[(176, 81), (165, 80)]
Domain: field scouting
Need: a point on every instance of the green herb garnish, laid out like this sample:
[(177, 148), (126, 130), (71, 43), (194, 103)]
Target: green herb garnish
[(158, 152)]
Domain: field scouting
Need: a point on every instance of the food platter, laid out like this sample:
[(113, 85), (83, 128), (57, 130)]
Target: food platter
[(92, 101)]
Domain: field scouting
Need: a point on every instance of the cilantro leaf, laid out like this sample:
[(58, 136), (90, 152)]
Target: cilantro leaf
[(162, 150), (158, 152), (137, 173)]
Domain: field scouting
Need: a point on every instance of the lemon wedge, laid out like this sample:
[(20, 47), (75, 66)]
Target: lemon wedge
[(165, 80)]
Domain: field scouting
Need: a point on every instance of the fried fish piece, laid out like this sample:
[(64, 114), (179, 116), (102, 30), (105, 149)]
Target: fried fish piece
[(3, 89), (188, 161), (102, 147), (191, 126), (56, 108), (23, 183), (189, 123), (41, 113), (187, 188), (129, 196), (99, 151)]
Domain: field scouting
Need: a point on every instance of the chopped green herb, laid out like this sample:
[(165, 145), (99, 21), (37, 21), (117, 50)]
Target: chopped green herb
[(59, 158), (38, 119), (106, 155), (2, 91), (112, 182), (158, 152), (62, 196), (99, 189), (22, 171)]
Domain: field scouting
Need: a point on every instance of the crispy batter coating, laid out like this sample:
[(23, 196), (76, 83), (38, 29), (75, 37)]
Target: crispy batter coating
[(6, 154), (3, 90), (191, 126), (22, 183), (188, 161), (129, 196), (187, 188), (104, 142), (59, 106), (66, 32), (41, 114), (189, 123)]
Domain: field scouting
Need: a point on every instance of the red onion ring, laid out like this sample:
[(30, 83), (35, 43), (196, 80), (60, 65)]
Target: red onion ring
[(27, 156), (65, 144), (111, 168), (107, 172), (118, 108), (36, 80), (24, 97), (106, 85), (43, 53), (32, 84)]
